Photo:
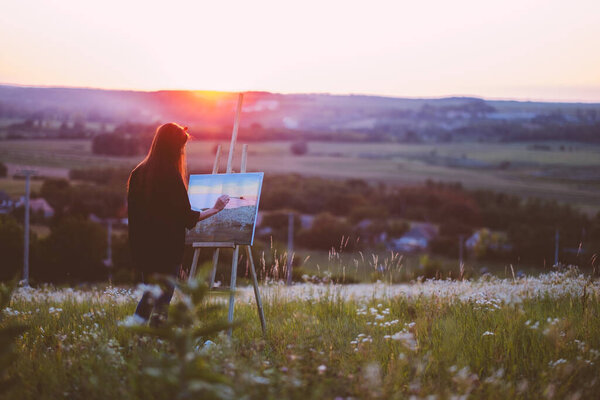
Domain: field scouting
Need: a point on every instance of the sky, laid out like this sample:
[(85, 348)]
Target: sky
[(510, 49), (205, 189)]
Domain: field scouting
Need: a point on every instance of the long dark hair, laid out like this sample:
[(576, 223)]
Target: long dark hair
[(166, 154)]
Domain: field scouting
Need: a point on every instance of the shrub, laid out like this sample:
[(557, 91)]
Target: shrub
[(327, 231), (11, 247), (74, 251), (299, 148)]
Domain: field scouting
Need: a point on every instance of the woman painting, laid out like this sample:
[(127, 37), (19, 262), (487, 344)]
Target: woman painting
[(159, 211)]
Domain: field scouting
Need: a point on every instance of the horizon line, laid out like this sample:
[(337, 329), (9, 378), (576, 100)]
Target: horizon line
[(345, 94)]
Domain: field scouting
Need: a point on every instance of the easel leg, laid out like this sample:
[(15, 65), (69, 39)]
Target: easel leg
[(214, 268), (261, 314), (194, 264), (234, 263)]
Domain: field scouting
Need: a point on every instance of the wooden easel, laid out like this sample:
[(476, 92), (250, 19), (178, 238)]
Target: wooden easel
[(230, 245)]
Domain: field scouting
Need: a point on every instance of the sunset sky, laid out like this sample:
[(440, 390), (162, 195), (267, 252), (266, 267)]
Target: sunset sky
[(547, 50), (205, 189)]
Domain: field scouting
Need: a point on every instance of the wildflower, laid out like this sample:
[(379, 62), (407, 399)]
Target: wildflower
[(133, 320), (557, 362), (488, 333), (321, 369), (406, 338)]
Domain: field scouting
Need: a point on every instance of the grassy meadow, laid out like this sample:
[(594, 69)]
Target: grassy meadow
[(491, 338)]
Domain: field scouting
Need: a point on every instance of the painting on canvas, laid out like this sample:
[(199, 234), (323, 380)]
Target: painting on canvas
[(235, 223)]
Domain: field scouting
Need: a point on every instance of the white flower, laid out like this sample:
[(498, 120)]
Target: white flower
[(133, 320), (321, 369), (488, 333), (557, 362), (406, 338)]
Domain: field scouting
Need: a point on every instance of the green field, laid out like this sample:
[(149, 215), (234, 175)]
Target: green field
[(571, 176), (16, 187), (489, 339)]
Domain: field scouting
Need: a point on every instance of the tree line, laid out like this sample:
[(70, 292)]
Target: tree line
[(76, 247)]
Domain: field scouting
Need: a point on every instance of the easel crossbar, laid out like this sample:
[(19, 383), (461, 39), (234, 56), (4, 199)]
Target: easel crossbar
[(228, 245)]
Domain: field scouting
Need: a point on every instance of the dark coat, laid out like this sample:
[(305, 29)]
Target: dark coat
[(158, 218)]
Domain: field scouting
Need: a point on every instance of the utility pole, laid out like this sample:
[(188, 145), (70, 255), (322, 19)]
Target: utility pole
[(108, 261), (290, 250), (556, 238), (27, 173)]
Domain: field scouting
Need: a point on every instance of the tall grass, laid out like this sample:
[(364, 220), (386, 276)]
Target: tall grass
[(446, 341)]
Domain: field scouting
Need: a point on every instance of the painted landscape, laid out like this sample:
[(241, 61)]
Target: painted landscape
[(235, 223)]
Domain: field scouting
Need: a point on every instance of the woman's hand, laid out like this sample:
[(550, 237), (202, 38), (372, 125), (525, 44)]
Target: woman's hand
[(221, 202)]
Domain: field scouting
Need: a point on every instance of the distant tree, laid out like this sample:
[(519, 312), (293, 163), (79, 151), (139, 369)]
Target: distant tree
[(362, 212), (326, 232), (108, 176), (122, 261), (3, 170), (57, 192), (278, 220), (116, 144), (72, 252), (299, 148)]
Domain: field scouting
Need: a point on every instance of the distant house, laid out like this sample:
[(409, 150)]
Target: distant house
[(485, 239), (306, 221), (370, 233), (41, 206), (416, 239), (6, 203), (37, 206)]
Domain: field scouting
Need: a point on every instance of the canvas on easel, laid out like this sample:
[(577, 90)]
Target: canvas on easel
[(236, 222)]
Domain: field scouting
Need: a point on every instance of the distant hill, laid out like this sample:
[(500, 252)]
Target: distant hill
[(375, 115)]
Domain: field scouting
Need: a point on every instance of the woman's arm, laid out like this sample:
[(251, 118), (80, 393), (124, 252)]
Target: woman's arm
[(209, 212), (219, 205), (181, 207)]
